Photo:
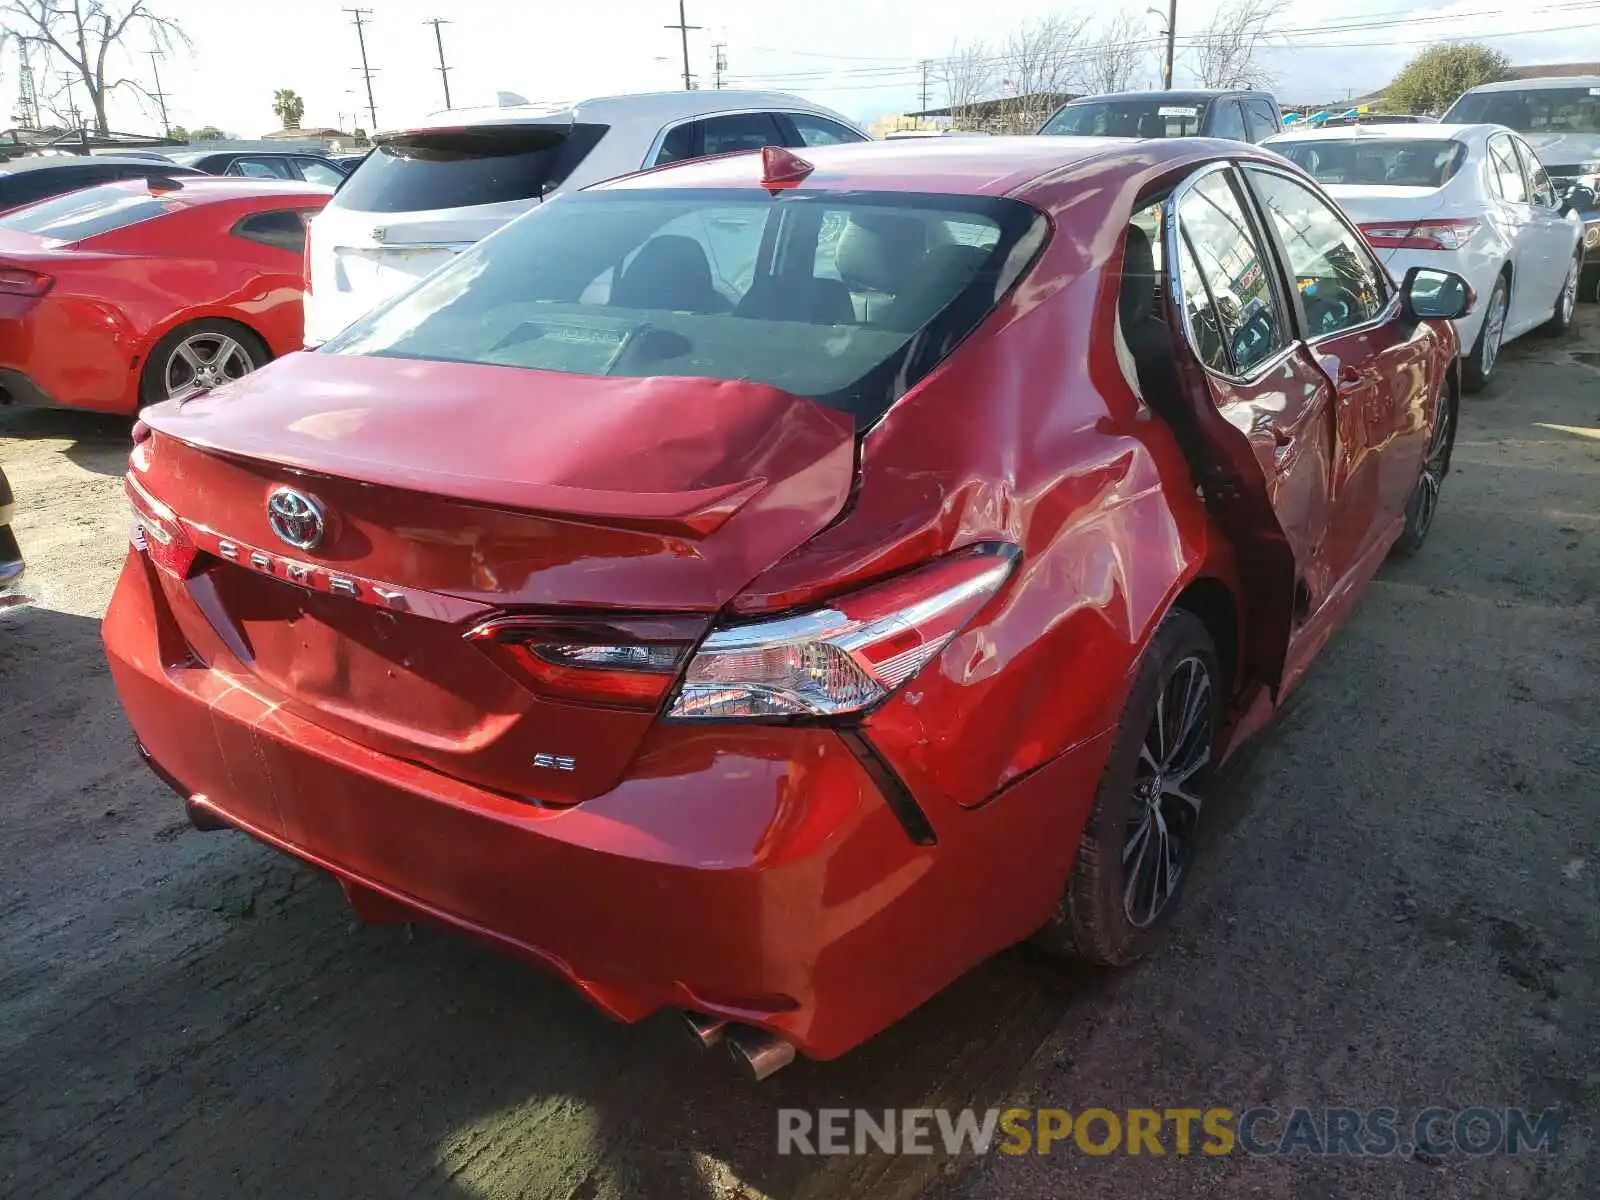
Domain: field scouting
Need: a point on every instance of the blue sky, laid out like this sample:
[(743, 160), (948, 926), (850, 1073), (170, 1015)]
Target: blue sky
[(858, 56)]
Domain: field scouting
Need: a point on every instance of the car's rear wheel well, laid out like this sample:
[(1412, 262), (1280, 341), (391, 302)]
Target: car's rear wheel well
[(1212, 603), (150, 388)]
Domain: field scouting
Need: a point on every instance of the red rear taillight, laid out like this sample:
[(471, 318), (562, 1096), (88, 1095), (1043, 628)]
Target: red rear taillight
[(158, 533), (847, 656), (620, 663), (19, 281), (1443, 234)]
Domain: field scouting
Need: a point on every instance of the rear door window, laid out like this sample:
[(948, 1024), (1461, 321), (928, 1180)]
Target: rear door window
[(740, 131), (261, 168), (1505, 173), (1240, 316), (1542, 189), (1226, 121), (681, 142), (314, 170), (454, 168), (819, 131), (1259, 118)]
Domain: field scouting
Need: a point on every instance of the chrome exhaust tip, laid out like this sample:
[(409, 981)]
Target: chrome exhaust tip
[(706, 1030), (760, 1053)]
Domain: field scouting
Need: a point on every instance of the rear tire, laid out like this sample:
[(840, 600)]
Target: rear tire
[(1477, 369), (1565, 318), (164, 365), (1159, 765)]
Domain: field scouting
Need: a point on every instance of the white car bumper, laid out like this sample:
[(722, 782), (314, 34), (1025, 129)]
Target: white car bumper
[(1477, 269)]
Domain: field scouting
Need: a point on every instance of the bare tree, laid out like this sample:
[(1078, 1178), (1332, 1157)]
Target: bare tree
[(1228, 52), (1115, 55), (79, 36), (1041, 59), (968, 75)]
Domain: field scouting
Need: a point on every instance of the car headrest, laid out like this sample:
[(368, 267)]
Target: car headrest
[(881, 252), (669, 272), (1152, 126), (1137, 296)]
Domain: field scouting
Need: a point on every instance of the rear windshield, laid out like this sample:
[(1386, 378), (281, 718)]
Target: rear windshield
[(449, 168), (1152, 117), (79, 215), (1391, 162), (848, 298), (1532, 110)]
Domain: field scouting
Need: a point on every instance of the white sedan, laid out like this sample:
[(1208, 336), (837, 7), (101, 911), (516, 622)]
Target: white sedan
[(1473, 199)]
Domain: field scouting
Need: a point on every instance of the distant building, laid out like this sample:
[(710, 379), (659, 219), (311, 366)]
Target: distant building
[(1006, 114)]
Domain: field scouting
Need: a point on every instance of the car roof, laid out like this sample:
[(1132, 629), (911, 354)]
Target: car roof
[(1429, 131), (21, 165), (1179, 96), (1538, 84), (657, 107), (996, 166), (216, 189)]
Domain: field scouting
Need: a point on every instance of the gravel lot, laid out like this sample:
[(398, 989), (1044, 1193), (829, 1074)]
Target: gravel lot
[(1399, 908)]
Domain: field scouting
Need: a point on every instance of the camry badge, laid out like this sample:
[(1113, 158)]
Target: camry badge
[(296, 518), (380, 235)]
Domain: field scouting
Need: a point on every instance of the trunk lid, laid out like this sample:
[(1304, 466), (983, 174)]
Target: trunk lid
[(449, 493), (1369, 204)]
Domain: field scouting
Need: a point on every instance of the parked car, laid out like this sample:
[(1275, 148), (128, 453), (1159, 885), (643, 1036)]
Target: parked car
[(270, 164), (349, 162), (28, 180), (1473, 199), (129, 293), (1238, 115), (11, 564), (1560, 118), (700, 632), (427, 193), (1366, 120)]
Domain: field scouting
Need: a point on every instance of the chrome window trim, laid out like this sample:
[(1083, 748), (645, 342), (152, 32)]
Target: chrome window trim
[(1171, 252), (1391, 303), (661, 134)]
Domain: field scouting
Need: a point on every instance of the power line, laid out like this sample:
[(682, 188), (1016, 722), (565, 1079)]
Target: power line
[(925, 79), (158, 94), (683, 28), (366, 72), (444, 71)]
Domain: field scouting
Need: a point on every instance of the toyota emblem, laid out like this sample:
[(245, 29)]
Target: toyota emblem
[(296, 518)]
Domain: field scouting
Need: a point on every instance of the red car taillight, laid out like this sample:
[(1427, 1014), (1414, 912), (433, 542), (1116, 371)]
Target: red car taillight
[(158, 533), (620, 663), (847, 656), (1442, 234), (19, 281)]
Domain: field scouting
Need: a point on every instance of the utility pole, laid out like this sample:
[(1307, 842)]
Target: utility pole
[(444, 71), (1172, 35), (719, 60), (160, 96), (683, 27), (924, 85), (359, 14)]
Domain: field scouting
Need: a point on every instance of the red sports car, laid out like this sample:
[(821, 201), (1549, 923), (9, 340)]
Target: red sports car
[(767, 587), (126, 294)]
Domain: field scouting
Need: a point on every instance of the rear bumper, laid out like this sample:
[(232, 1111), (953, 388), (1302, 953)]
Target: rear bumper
[(754, 873), (1476, 270)]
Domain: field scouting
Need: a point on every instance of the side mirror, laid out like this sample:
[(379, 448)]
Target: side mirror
[(1429, 294), (1577, 199)]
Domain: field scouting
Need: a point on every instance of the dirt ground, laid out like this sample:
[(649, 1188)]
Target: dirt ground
[(1400, 906)]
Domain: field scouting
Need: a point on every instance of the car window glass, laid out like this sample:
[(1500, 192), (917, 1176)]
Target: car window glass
[(1259, 119), (313, 171), (819, 131), (1204, 331), (1543, 190), (1531, 110), (284, 228), (739, 131), (79, 215), (1340, 284), (678, 144), (1506, 171), (260, 168), (1241, 305), (1157, 117), (1387, 162), (1226, 121)]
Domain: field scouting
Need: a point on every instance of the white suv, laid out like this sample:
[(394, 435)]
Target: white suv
[(425, 194)]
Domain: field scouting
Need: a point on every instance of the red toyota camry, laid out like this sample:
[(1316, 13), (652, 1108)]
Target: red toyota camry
[(766, 587), (130, 293)]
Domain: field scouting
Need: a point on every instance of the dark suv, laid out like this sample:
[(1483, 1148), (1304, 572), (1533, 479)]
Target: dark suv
[(1236, 114)]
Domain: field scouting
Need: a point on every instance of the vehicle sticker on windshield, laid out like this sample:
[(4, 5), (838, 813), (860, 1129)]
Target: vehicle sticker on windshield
[(1594, 91), (1177, 110)]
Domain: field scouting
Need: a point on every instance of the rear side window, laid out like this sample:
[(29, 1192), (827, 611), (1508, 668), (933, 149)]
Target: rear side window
[(261, 168), (1505, 173), (284, 228), (848, 298), (819, 131), (451, 168), (740, 131), (1226, 121), (79, 215), (314, 170), (1259, 118)]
